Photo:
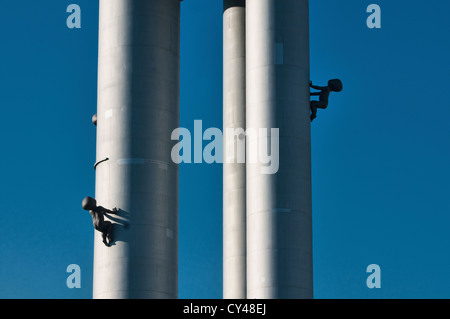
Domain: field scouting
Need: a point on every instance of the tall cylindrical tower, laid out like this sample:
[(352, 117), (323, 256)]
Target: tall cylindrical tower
[(234, 207), (138, 107), (279, 227)]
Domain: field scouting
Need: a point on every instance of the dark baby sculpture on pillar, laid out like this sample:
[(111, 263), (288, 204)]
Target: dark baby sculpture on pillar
[(334, 85), (97, 213)]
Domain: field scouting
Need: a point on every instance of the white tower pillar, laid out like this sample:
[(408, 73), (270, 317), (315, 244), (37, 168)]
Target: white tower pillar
[(279, 227), (138, 107), (234, 207)]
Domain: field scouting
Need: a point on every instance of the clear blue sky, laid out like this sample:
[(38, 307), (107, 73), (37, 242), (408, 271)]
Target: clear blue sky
[(380, 152)]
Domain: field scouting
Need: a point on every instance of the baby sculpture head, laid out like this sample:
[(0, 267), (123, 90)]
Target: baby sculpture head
[(335, 85), (89, 203)]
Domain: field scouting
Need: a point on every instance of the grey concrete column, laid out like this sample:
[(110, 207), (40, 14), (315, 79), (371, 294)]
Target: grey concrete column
[(138, 107), (234, 208), (279, 227)]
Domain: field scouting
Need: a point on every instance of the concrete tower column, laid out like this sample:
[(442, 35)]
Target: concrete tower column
[(279, 227), (234, 207), (138, 107)]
